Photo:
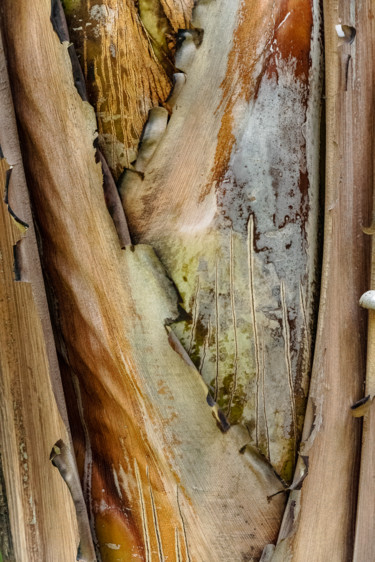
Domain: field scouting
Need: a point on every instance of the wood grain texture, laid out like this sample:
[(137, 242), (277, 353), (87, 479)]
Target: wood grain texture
[(126, 50), (41, 513), (229, 201), (161, 480), (320, 518), (364, 531), (364, 548)]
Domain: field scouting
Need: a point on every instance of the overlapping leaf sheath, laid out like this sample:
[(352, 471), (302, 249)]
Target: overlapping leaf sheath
[(229, 201), (37, 519), (364, 547), (319, 521), (127, 53), (160, 477)]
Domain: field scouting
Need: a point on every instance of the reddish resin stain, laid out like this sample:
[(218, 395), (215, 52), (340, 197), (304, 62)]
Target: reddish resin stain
[(284, 31), (292, 37)]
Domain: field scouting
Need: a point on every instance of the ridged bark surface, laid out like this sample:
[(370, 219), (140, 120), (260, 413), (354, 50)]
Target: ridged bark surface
[(37, 515), (126, 49), (319, 522), (163, 475), (230, 199)]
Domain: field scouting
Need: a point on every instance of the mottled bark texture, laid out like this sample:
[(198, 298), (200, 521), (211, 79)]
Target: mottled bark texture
[(229, 200), (319, 522), (163, 474), (127, 51)]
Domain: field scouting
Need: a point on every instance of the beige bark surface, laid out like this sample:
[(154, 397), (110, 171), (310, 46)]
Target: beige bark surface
[(163, 475), (41, 513), (229, 201), (364, 547), (320, 518)]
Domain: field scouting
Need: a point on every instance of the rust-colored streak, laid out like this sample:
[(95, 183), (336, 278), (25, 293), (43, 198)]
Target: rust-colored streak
[(103, 369), (125, 73), (286, 36), (292, 36), (113, 343)]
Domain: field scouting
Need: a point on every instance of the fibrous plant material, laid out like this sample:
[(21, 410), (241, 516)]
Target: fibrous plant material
[(364, 548), (319, 521), (163, 476), (229, 201), (62, 458), (41, 520), (126, 49)]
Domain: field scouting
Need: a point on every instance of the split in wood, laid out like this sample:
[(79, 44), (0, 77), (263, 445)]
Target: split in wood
[(113, 202), (22, 225), (299, 477), (62, 458), (220, 417), (346, 32), (362, 407)]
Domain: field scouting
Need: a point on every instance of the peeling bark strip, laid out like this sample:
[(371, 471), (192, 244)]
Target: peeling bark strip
[(126, 49), (113, 203), (63, 459), (319, 521), (230, 197), (41, 513), (37, 521), (147, 429), (363, 33)]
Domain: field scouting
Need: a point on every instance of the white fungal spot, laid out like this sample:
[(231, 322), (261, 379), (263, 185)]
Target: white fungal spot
[(105, 17), (32, 505), (117, 484), (103, 506), (113, 546), (340, 31), (367, 300)]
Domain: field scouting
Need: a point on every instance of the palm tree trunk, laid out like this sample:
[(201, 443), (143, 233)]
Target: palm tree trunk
[(37, 515), (162, 477), (176, 385)]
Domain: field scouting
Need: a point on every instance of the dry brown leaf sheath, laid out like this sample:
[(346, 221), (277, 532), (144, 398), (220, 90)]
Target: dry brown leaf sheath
[(159, 477)]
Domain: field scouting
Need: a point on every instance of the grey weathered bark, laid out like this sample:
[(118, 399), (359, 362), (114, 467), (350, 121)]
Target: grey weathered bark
[(175, 442), (230, 201), (319, 521)]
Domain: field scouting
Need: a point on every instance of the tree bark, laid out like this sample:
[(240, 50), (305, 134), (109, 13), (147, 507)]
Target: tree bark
[(320, 518), (38, 519), (127, 51), (184, 346), (229, 201), (162, 475)]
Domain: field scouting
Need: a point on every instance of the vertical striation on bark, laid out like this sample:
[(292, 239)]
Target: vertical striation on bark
[(126, 50), (364, 25), (41, 519), (229, 201), (319, 520), (163, 475)]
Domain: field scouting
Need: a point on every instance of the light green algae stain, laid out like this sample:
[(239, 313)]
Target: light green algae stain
[(70, 6), (231, 353)]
